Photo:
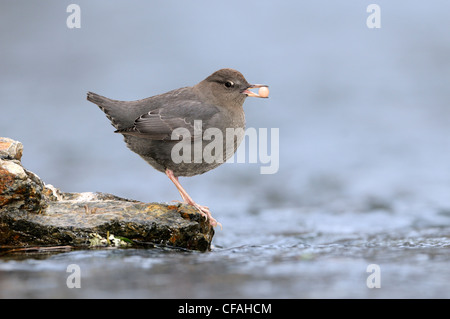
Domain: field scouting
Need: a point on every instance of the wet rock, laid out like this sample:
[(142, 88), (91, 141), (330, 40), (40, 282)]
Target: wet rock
[(32, 213)]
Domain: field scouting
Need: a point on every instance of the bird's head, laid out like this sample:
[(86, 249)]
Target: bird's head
[(228, 86)]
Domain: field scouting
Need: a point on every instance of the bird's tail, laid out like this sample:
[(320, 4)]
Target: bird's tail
[(95, 98), (108, 106)]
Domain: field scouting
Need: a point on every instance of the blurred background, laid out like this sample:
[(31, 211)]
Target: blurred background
[(363, 114)]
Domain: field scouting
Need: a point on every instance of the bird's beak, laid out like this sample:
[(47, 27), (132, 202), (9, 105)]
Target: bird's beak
[(254, 86)]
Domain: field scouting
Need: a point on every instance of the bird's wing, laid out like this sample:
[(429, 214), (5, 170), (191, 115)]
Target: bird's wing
[(160, 124)]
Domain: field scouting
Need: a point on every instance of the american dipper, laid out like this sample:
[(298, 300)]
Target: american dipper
[(150, 125)]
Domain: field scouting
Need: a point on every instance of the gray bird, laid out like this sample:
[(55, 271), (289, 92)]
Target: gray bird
[(152, 127)]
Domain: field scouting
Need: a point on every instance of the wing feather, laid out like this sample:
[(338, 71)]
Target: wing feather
[(158, 124)]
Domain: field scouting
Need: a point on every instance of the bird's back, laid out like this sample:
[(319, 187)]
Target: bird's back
[(122, 114)]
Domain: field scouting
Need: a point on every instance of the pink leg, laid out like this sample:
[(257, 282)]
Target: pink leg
[(188, 200)]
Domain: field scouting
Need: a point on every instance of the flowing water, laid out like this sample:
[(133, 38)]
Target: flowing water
[(363, 150)]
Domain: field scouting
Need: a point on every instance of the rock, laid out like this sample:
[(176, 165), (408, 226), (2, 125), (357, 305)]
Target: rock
[(10, 149), (18, 187), (35, 214)]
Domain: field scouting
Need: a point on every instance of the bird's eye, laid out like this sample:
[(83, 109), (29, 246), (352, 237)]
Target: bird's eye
[(229, 84)]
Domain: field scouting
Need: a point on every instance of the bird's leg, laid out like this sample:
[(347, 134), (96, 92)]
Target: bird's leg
[(188, 200)]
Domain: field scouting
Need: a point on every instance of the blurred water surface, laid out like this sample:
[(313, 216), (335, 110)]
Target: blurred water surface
[(364, 119)]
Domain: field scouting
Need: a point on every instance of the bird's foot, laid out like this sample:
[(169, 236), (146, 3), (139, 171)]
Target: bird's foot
[(204, 211)]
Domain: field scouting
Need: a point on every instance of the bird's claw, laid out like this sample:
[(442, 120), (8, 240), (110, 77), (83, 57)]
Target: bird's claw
[(204, 211)]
